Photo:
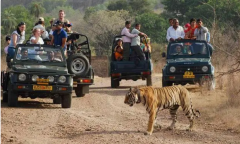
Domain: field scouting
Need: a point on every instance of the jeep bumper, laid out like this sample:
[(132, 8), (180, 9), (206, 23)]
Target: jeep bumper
[(180, 78), (55, 89)]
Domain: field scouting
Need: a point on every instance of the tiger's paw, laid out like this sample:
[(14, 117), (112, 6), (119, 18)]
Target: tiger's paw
[(157, 126), (148, 133)]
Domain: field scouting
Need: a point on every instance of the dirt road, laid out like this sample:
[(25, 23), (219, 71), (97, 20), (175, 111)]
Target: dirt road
[(101, 117)]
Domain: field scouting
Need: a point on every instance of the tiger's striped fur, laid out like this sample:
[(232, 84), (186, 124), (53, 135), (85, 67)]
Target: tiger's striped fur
[(156, 99)]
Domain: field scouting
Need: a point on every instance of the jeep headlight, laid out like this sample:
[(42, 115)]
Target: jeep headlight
[(62, 79), (50, 78), (34, 78), (22, 77), (204, 68), (172, 69)]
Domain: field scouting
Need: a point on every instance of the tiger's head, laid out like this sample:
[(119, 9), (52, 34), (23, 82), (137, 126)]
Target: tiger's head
[(132, 97)]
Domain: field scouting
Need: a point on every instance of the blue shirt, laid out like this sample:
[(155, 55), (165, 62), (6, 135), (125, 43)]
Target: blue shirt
[(58, 37)]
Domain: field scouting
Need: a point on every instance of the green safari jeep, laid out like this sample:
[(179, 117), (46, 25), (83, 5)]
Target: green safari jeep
[(188, 61), (37, 71)]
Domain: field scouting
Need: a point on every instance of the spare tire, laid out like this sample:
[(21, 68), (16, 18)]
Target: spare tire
[(78, 64)]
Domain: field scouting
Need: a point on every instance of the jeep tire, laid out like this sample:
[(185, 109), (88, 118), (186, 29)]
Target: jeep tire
[(79, 91), (66, 100), (5, 96), (166, 83), (114, 83), (57, 100), (149, 80), (78, 64), (12, 97)]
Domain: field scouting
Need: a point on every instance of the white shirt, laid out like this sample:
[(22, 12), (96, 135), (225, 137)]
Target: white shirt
[(40, 40), (128, 35), (175, 34)]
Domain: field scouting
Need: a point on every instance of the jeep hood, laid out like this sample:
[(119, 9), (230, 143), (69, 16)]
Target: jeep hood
[(188, 60), (40, 69)]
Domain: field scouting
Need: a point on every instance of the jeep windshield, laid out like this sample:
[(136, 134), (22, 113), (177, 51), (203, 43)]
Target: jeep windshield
[(188, 49), (38, 54)]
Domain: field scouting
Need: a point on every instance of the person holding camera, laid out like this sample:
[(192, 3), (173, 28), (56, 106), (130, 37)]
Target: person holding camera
[(61, 17)]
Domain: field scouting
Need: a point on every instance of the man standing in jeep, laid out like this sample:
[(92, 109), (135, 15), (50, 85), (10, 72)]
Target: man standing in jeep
[(127, 39), (59, 36), (135, 44)]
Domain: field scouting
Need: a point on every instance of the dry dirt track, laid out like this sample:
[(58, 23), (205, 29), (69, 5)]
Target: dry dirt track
[(101, 117)]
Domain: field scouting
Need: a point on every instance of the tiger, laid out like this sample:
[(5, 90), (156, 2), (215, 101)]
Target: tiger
[(156, 99)]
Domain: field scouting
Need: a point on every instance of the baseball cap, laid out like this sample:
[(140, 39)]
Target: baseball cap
[(41, 19)]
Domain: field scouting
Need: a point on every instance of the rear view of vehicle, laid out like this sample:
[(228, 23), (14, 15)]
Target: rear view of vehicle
[(188, 61), (129, 70), (79, 64), (37, 71)]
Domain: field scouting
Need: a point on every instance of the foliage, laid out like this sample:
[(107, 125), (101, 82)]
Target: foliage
[(36, 8), (211, 11), (134, 7), (49, 5), (22, 15), (9, 21), (154, 26), (103, 26)]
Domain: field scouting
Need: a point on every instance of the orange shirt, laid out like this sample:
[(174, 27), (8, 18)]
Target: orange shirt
[(118, 56)]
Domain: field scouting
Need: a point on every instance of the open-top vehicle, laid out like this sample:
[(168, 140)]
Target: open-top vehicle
[(37, 71), (188, 61), (130, 70), (79, 63)]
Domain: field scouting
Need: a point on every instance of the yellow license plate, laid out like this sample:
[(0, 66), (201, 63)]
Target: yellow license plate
[(41, 87), (188, 74), (43, 80)]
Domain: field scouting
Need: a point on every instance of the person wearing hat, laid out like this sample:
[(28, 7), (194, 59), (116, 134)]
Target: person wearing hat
[(17, 37), (8, 42), (41, 25), (59, 36)]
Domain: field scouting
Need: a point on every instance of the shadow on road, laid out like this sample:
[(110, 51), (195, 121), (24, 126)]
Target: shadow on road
[(32, 105), (98, 133)]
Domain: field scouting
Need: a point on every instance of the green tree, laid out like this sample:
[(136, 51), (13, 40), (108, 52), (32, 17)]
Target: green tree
[(135, 7), (36, 9), (154, 25), (9, 21), (49, 5), (103, 26)]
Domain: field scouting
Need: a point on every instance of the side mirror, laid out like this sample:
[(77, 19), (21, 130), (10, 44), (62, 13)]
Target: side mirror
[(163, 54)]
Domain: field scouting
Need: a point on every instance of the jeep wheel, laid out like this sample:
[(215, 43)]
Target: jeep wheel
[(66, 100), (114, 83), (78, 64), (57, 100), (12, 97), (149, 80), (166, 83), (79, 91), (5, 96)]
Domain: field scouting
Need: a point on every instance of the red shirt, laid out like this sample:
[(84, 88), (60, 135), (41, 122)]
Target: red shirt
[(191, 31)]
